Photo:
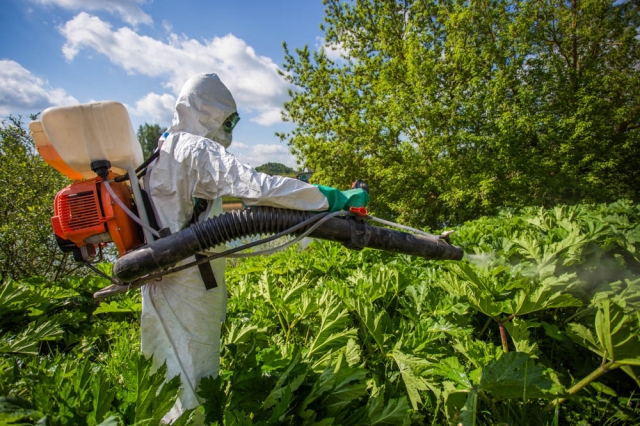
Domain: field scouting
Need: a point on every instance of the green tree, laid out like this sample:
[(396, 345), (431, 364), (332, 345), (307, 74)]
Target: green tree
[(27, 188), (148, 135), (451, 109), (275, 169)]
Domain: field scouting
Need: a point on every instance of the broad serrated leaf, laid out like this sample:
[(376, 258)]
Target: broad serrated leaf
[(331, 332), (236, 418), (148, 394), (212, 393), (515, 376), (616, 334), (410, 366), (584, 337), (284, 382), (375, 324), (394, 412), (519, 332), (282, 406), (469, 409), (123, 305), (28, 341), (543, 297), (352, 353), (240, 333), (102, 395), (337, 386), (478, 352), (451, 368)]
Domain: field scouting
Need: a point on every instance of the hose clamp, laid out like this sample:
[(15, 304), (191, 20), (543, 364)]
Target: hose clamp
[(358, 235)]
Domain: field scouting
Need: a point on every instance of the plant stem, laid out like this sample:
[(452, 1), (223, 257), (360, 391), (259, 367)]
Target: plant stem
[(503, 332), (484, 328), (584, 382), (503, 337), (490, 402)]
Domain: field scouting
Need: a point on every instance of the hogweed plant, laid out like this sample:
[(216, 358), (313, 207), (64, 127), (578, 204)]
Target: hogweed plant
[(538, 325)]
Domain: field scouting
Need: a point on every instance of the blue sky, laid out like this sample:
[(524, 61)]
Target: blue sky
[(140, 52)]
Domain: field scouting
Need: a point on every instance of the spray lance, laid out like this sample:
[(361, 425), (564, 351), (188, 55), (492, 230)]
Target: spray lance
[(95, 146)]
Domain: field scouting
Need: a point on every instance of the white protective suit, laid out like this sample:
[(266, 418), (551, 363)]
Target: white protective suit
[(181, 320)]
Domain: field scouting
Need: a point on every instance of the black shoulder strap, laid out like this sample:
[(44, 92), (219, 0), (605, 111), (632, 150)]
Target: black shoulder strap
[(206, 272)]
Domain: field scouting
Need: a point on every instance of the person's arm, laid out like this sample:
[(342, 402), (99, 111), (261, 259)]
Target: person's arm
[(219, 174)]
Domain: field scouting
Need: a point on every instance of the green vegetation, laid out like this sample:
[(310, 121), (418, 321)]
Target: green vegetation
[(148, 135), (276, 169), (27, 187), (538, 326), (454, 109), (457, 113)]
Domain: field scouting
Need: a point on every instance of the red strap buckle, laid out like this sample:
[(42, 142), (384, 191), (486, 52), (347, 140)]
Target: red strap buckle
[(360, 211)]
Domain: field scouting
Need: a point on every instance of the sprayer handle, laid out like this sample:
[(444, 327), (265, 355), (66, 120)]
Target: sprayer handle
[(360, 184)]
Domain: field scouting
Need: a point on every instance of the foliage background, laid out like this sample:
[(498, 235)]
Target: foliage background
[(454, 109), (27, 188), (276, 169), (545, 307)]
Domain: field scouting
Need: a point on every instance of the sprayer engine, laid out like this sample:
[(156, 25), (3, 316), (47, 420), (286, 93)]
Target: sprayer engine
[(85, 217), (72, 140)]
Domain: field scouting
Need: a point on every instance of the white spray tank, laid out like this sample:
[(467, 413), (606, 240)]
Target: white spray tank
[(82, 134)]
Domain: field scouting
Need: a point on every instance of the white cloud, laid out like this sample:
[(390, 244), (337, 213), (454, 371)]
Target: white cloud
[(129, 10), (253, 79), (267, 118), (239, 145), (23, 92), (335, 52), (257, 155), (155, 108)]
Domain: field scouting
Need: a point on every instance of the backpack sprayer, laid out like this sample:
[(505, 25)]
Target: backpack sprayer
[(95, 146)]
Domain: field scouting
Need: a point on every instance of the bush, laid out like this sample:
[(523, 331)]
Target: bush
[(27, 188)]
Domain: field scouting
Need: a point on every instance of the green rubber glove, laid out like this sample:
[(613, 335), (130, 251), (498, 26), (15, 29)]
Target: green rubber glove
[(342, 200)]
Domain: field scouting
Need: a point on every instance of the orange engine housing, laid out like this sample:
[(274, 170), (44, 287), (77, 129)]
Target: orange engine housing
[(86, 215)]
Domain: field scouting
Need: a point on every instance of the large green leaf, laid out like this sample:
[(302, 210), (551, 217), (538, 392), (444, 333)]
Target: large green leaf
[(102, 396), (332, 331), (450, 368), (148, 396), (123, 305), (212, 392), (338, 385), (28, 341), (394, 412), (617, 333), (518, 330), (515, 376), (410, 367), (376, 325), (284, 384), (543, 297)]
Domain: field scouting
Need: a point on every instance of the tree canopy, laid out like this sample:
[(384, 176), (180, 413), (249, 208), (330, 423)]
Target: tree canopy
[(148, 135), (451, 109), (275, 169)]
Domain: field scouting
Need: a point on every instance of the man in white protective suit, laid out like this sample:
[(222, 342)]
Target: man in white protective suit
[(181, 314)]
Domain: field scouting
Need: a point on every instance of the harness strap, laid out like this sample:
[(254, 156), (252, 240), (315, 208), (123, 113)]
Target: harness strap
[(206, 272)]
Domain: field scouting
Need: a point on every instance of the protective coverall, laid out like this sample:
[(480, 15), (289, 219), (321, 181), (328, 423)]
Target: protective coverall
[(180, 322)]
